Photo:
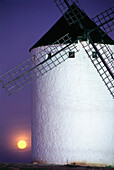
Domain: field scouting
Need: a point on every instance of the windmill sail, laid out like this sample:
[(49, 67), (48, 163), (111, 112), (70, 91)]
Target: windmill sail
[(71, 10), (100, 54), (107, 77), (106, 68), (105, 20), (26, 72)]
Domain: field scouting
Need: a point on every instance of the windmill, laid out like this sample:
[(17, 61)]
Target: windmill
[(23, 74), (70, 128)]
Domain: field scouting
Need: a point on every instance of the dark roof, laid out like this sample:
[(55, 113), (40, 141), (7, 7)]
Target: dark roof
[(61, 27)]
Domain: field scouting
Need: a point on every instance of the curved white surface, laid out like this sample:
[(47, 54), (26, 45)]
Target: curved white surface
[(72, 115)]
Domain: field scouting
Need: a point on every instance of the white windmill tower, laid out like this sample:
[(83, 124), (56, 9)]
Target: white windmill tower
[(72, 110)]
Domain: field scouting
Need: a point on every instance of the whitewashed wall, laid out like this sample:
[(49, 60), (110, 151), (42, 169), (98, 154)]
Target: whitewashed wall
[(72, 115)]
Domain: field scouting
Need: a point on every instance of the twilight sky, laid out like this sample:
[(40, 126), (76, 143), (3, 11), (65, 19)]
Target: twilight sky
[(22, 24)]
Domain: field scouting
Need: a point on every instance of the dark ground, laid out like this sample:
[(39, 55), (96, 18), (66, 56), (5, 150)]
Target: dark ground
[(22, 166)]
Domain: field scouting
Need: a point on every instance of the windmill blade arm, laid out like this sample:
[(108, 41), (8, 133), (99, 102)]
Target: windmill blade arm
[(105, 20), (46, 59), (102, 58), (71, 10)]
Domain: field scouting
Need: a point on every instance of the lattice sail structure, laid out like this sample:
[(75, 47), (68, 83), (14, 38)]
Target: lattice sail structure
[(103, 61), (26, 72), (72, 15), (106, 53), (105, 20)]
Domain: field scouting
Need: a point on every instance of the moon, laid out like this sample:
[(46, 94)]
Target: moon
[(22, 144)]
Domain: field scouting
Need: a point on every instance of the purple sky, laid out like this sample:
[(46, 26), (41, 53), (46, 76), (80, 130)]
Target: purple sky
[(22, 24)]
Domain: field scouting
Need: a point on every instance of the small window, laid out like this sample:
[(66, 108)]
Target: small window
[(94, 55), (112, 56), (72, 54), (33, 58), (49, 56)]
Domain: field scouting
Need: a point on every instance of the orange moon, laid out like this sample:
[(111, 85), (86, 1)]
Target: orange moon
[(22, 144)]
